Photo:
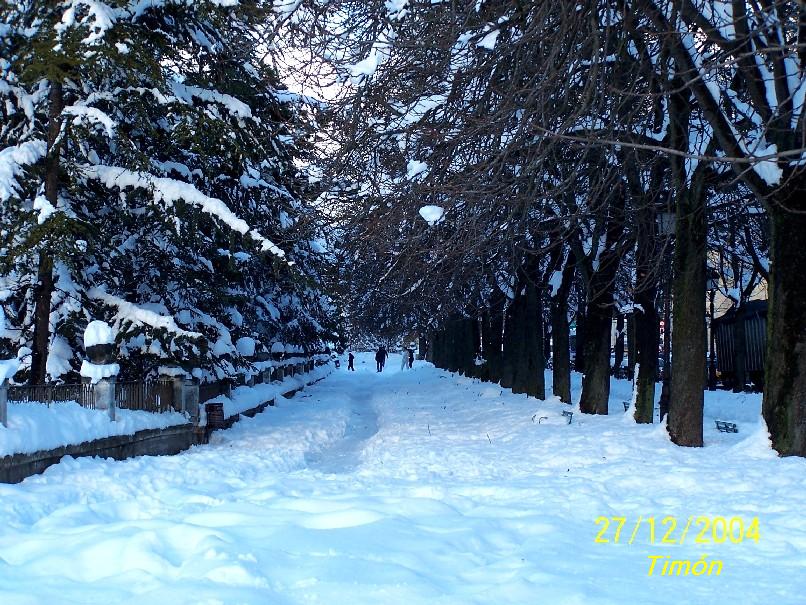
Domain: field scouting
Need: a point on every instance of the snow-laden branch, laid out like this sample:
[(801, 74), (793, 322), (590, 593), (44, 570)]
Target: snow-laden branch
[(12, 161), (82, 113), (138, 315), (186, 94), (170, 190)]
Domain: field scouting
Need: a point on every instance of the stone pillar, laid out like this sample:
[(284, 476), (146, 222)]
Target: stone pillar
[(103, 354), (104, 394), (4, 403), (190, 398), (178, 383)]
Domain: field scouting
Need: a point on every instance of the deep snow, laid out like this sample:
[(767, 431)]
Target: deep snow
[(408, 487)]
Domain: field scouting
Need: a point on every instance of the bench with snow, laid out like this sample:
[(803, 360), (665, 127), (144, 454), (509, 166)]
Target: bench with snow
[(568, 414), (626, 405), (726, 427)]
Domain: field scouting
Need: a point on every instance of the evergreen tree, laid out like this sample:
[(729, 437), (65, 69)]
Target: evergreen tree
[(154, 170)]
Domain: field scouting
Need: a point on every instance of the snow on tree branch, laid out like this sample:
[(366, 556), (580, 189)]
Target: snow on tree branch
[(170, 190), (12, 160), (130, 312)]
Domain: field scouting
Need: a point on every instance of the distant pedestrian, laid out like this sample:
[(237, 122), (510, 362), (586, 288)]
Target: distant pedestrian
[(380, 357), (350, 360), (403, 360), (411, 358)]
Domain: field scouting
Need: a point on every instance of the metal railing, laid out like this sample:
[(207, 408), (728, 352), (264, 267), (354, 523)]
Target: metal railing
[(153, 396), (83, 394)]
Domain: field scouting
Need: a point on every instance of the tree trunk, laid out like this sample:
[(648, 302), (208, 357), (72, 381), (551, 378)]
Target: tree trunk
[(581, 335), (647, 330), (598, 325), (646, 322), (631, 344), (431, 351), (511, 342), (467, 339), (529, 375), (688, 323), (561, 353), (618, 352), (784, 406), (599, 321), (493, 338), (739, 349), (43, 292)]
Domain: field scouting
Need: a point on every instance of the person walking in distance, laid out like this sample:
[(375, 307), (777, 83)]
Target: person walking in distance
[(350, 360), (380, 357), (411, 358), (404, 358)]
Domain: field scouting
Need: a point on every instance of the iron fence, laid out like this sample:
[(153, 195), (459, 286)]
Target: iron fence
[(83, 394), (152, 396)]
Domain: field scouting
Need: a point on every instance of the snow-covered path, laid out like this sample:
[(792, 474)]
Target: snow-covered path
[(412, 487)]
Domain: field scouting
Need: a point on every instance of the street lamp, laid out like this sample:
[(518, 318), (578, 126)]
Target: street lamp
[(713, 284)]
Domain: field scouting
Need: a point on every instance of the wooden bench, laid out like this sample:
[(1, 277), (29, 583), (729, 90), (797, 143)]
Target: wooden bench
[(568, 414), (726, 427)]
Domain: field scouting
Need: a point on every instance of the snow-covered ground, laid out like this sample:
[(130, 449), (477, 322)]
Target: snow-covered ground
[(409, 487)]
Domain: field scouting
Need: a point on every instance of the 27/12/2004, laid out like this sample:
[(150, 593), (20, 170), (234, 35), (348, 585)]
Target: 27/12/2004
[(668, 530)]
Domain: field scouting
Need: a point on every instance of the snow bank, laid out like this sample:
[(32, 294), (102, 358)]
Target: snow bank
[(35, 426), (245, 398)]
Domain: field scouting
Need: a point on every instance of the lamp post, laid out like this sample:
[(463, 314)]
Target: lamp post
[(713, 284)]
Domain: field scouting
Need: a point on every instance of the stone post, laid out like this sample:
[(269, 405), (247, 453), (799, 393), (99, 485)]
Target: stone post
[(101, 355), (178, 393), (4, 403), (104, 394), (190, 398)]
